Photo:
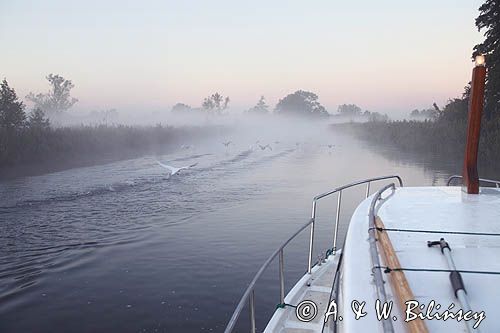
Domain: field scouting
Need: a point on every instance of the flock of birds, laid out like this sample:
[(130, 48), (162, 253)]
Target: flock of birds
[(174, 170), (227, 143)]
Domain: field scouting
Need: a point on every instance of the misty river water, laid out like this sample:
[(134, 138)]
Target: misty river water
[(122, 247)]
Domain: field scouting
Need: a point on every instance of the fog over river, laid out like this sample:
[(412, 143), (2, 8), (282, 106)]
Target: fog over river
[(123, 247)]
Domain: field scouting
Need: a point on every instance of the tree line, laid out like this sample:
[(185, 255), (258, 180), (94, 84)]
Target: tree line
[(299, 103), (28, 139)]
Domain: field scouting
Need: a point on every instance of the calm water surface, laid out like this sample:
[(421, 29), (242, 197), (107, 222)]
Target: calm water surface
[(123, 248)]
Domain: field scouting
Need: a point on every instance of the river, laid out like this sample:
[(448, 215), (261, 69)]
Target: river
[(122, 247)]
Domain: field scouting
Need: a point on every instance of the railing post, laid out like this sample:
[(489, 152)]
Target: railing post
[(311, 237), (282, 278), (368, 189), (337, 218), (252, 311)]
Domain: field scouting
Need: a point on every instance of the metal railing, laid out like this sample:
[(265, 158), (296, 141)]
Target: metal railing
[(487, 181), (339, 203), (377, 273), (249, 294)]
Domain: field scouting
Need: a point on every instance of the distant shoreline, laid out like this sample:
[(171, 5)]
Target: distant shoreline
[(437, 142), (74, 147), (19, 171)]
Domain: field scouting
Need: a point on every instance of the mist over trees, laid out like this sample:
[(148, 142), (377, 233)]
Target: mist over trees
[(28, 141), (301, 103), (105, 116), (28, 136), (181, 107), (375, 116), (443, 136), (430, 114), (213, 104), (57, 99), (352, 112), (38, 121), (216, 103), (260, 108), (349, 110)]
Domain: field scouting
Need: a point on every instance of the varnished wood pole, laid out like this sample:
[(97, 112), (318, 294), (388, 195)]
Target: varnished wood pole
[(476, 99), (399, 283)]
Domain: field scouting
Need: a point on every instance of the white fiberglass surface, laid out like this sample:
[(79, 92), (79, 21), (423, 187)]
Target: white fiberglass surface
[(427, 209)]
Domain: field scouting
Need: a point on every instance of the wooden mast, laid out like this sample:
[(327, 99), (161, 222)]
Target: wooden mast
[(476, 99), (399, 283)]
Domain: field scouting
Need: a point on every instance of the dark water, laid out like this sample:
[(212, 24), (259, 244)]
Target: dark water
[(123, 248)]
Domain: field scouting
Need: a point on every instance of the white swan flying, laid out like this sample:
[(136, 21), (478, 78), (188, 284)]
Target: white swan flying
[(174, 170)]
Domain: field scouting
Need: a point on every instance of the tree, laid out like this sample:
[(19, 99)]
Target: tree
[(217, 99), (181, 107), (415, 113), (261, 106), (216, 102), (12, 115), (104, 116), (303, 103), (455, 110), (37, 120), (349, 110), (376, 116), (58, 98), (489, 19), (431, 113), (208, 104)]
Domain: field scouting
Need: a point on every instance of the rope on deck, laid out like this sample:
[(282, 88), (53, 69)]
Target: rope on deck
[(283, 305), (469, 233), (433, 270)]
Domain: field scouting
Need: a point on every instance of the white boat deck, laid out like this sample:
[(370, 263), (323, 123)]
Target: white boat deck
[(416, 208), (428, 208), (316, 287)]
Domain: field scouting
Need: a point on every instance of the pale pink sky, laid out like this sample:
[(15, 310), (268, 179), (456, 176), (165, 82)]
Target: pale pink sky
[(389, 56)]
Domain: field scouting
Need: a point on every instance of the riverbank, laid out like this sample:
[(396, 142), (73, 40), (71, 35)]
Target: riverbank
[(442, 139), (28, 152)]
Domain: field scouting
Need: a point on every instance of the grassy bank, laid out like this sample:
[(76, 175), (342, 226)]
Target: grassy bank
[(443, 138), (35, 150)]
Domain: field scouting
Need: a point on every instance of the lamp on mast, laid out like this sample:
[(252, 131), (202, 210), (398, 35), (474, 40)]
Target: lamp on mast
[(476, 101)]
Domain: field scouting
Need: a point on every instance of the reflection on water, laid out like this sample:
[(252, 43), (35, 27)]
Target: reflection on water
[(123, 247)]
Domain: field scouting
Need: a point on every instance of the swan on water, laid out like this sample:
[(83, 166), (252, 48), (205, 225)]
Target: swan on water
[(174, 170), (266, 146)]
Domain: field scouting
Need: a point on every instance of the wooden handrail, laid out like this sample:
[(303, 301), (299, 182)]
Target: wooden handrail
[(399, 283)]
